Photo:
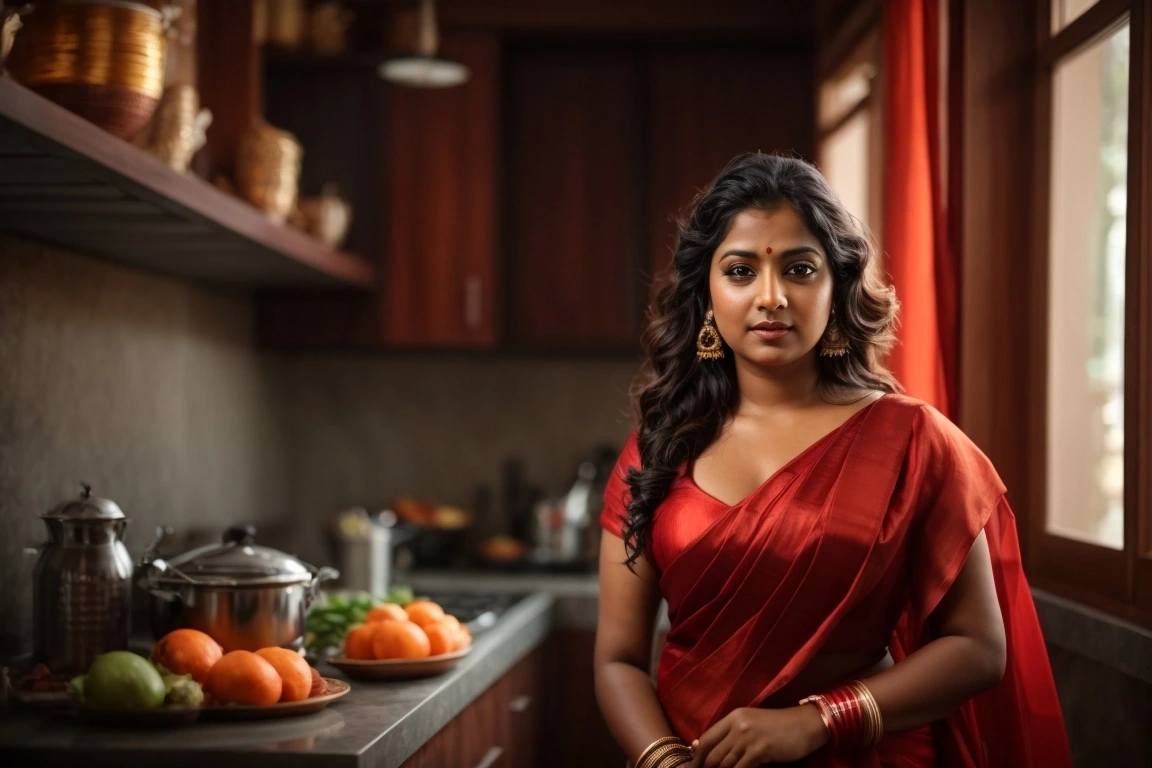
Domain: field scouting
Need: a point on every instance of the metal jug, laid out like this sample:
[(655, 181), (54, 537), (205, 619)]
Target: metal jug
[(81, 587)]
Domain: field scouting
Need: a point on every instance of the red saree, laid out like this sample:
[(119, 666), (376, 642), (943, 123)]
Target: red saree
[(848, 547)]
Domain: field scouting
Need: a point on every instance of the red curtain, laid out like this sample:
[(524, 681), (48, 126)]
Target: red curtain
[(915, 225)]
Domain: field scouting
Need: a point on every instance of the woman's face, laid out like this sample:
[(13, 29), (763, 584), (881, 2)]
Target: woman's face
[(771, 287)]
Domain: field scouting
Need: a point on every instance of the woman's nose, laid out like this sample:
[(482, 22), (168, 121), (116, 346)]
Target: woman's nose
[(772, 295)]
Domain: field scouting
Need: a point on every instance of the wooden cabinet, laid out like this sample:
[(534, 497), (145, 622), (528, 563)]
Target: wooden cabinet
[(420, 168), (500, 729), (709, 104), (574, 220), (531, 208), (441, 212), (573, 733)]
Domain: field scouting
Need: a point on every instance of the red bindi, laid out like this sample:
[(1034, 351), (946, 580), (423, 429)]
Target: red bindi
[(768, 250)]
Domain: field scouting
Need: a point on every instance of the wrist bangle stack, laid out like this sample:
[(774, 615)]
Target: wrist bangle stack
[(850, 714), (665, 752)]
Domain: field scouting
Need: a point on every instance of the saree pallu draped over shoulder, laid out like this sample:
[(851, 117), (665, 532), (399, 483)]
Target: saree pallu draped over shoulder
[(848, 547)]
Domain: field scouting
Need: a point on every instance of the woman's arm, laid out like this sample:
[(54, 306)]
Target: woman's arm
[(628, 604), (967, 657)]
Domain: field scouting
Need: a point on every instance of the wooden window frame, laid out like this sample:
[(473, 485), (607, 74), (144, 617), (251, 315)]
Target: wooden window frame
[(860, 33), (1117, 581)]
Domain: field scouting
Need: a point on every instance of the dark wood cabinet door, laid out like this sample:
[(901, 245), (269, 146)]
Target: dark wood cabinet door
[(574, 222), (440, 228), (709, 104), (574, 733)]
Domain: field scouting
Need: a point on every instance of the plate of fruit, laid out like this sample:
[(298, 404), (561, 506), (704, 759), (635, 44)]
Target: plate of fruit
[(188, 675), (403, 641)]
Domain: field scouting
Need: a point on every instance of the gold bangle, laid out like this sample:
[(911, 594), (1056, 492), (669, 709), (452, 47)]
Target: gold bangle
[(657, 756), (875, 718), (643, 761), (675, 759)]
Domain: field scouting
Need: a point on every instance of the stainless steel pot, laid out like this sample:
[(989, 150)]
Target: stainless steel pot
[(245, 596)]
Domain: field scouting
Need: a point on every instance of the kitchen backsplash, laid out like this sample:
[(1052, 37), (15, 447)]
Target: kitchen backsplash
[(143, 387), (154, 392), (365, 428)]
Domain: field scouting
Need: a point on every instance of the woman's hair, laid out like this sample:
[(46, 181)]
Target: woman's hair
[(681, 401)]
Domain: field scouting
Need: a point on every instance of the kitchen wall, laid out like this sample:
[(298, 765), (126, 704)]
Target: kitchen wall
[(146, 388), (154, 392), (366, 428)]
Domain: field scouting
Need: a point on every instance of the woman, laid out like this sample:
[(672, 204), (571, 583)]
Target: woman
[(814, 533)]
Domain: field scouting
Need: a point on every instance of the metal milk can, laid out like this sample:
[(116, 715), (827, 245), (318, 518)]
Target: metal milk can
[(81, 587)]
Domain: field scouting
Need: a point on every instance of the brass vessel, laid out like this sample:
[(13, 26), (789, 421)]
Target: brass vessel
[(102, 59)]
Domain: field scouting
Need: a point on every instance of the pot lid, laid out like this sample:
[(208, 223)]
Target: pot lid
[(87, 507), (237, 561)]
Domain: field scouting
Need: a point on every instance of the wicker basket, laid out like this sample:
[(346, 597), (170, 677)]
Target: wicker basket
[(102, 60)]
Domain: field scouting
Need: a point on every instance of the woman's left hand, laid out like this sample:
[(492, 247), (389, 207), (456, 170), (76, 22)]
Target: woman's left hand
[(749, 737)]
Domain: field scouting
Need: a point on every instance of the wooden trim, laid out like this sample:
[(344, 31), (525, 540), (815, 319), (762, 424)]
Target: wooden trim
[(1097, 21), (953, 162), (863, 105), (1101, 571), (1121, 609), (841, 42), (1041, 544), (1138, 424)]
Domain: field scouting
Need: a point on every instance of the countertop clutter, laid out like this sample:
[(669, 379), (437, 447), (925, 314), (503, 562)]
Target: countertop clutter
[(377, 724)]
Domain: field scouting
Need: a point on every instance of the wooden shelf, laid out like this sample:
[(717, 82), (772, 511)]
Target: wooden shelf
[(68, 183)]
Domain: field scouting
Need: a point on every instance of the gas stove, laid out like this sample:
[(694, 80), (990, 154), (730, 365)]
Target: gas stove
[(479, 610)]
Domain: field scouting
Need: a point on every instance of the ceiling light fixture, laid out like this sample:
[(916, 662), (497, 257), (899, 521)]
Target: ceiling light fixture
[(425, 69)]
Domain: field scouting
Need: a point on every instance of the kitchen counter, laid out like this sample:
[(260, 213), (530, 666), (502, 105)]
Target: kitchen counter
[(577, 596), (377, 725)]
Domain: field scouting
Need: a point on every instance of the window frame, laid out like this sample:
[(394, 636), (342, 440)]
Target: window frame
[(865, 46), (1118, 581)]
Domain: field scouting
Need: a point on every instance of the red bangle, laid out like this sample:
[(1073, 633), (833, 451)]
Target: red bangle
[(851, 722)]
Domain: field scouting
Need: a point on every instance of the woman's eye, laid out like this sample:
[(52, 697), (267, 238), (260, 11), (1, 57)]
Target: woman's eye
[(801, 269), (739, 270)]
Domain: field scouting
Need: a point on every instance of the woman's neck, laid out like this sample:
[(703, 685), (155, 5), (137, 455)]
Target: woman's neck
[(764, 390)]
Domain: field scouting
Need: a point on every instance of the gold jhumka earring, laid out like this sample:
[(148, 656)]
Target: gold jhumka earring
[(834, 343), (708, 344)]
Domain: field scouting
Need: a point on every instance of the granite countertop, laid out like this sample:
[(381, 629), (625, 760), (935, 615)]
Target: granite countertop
[(377, 725), (577, 595)]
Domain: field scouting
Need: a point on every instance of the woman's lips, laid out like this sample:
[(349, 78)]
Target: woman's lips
[(771, 334)]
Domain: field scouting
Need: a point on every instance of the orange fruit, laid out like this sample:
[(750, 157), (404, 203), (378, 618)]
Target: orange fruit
[(441, 637), (424, 612), (187, 652), (463, 638), (242, 677), (400, 640), (358, 642), (386, 612), (319, 685), (295, 673), (451, 621)]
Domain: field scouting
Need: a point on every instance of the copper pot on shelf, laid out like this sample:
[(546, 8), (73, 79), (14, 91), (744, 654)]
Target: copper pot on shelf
[(101, 59)]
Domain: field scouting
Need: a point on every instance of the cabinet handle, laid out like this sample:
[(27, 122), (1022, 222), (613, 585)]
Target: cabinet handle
[(473, 301), (490, 757), (520, 703)]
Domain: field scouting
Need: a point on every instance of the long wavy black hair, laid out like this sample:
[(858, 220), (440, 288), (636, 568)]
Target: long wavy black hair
[(683, 402)]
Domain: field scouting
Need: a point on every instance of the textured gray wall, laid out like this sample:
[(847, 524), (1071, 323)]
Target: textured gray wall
[(142, 386), (365, 428), (153, 392)]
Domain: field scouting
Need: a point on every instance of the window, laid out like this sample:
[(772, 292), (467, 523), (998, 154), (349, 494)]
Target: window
[(1064, 12), (849, 140), (1091, 524), (1087, 218)]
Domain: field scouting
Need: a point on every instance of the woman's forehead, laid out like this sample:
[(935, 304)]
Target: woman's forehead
[(780, 228)]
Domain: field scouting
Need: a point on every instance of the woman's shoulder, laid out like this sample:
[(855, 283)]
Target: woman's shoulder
[(925, 415), (940, 437)]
